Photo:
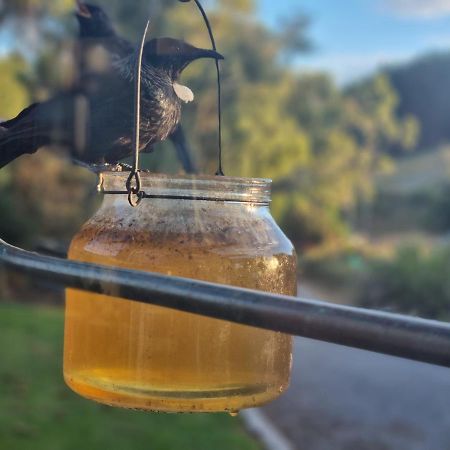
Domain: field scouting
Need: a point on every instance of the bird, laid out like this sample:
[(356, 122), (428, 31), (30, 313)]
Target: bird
[(95, 119), (97, 30)]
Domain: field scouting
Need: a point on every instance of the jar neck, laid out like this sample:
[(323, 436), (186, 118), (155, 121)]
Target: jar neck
[(185, 187)]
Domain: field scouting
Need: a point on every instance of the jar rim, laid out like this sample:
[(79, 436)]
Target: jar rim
[(191, 187)]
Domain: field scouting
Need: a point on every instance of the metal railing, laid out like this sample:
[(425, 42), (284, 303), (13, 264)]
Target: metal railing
[(393, 334)]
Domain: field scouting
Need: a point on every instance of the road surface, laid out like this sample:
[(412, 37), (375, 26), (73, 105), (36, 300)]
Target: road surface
[(346, 399)]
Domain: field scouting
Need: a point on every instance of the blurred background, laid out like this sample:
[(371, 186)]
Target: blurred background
[(346, 106)]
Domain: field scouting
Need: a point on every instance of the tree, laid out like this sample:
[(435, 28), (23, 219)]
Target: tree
[(372, 112)]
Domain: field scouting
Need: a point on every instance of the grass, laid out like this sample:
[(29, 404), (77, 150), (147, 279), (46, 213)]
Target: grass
[(38, 411)]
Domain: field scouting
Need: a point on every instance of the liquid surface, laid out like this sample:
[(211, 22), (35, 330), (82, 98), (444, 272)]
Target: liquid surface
[(147, 357)]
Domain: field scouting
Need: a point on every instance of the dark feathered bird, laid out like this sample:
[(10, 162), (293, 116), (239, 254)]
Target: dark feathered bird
[(97, 29), (96, 119)]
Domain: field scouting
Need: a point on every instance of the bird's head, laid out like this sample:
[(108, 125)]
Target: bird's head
[(93, 20), (172, 56)]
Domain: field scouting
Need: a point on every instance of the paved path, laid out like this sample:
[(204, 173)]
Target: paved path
[(346, 399)]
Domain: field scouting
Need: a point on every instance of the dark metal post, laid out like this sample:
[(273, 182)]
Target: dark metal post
[(407, 337)]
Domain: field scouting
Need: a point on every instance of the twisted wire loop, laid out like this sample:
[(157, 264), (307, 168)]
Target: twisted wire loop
[(134, 189), (134, 184)]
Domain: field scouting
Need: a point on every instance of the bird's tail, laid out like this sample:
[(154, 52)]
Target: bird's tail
[(183, 151), (18, 136), (11, 149)]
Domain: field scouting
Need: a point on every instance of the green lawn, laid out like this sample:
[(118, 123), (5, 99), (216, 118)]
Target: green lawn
[(37, 410)]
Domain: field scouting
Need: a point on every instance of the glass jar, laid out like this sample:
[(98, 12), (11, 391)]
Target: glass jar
[(141, 356)]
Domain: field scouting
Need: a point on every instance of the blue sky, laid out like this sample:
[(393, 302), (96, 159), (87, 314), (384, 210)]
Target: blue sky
[(353, 37)]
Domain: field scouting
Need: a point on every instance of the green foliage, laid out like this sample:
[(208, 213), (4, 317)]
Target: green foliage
[(44, 197), (342, 266), (345, 137), (274, 145), (438, 202), (35, 12), (416, 282), (39, 412), (414, 197), (13, 94), (372, 116), (34, 7)]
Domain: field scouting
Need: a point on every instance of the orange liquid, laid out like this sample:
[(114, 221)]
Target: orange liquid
[(146, 357)]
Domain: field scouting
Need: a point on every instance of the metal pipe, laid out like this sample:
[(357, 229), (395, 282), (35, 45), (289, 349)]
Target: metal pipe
[(407, 337)]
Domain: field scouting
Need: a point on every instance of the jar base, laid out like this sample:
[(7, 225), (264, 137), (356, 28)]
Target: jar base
[(152, 398)]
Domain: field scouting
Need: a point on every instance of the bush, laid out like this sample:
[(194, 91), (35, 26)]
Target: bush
[(43, 197), (337, 267), (438, 218), (414, 282)]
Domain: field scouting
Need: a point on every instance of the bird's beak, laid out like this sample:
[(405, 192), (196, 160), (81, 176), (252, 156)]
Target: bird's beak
[(202, 53), (83, 10)]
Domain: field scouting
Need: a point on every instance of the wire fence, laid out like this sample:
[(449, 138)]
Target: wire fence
[(393, 334)]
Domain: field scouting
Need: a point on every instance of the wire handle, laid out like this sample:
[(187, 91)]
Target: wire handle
[(219, 85), (134, 185)]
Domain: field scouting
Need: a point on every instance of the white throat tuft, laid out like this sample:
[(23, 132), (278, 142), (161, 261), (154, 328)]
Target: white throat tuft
[(183, 92)]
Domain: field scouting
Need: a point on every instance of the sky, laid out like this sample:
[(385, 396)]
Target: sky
[(354, 37)]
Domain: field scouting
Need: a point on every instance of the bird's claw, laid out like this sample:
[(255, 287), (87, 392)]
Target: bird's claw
[(98, 168), (105, 167), (122, 167)]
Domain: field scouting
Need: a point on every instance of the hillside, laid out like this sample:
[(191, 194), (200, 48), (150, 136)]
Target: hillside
[(423, 87)]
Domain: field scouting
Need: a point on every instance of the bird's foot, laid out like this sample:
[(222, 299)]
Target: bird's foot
[(96, 168), (105, 167), (122, 167)]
